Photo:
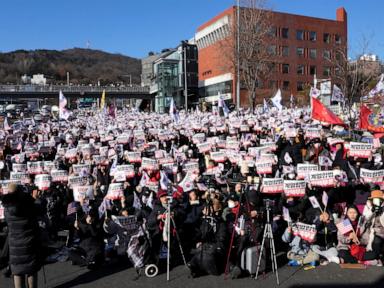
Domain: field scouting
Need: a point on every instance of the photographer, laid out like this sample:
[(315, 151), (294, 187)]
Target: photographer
[(372, 234), (211, 239)]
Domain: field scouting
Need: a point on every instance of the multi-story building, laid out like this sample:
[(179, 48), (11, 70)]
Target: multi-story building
[(302, 47), (370, 65), (169, 72)]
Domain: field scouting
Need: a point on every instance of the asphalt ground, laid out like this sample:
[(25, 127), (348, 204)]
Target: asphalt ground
[(64, 275)]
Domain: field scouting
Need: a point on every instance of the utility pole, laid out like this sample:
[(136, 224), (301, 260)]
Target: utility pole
[(185, 80), (238, 58), (67, 78)]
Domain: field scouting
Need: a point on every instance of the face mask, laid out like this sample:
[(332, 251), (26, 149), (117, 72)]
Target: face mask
[(231, 204), (290, 203), (376, 202), (291, 176)]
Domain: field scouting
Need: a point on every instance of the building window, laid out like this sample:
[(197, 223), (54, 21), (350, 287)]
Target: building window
[(312, 36), (272, 67), (285, 85), (337, 39), (326, 38), (326, 71), (272, 31), (285, 68), (299, 34), (300, 69), (327, 54), (338, 56), (284, 33), (300, 86), (272, 84), (312, 70), (272, 49), (312, 53), (337, 71), (300, 51), (285, 51)]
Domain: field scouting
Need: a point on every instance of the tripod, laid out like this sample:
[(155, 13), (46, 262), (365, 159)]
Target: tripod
[(170, 220), (268, 234)]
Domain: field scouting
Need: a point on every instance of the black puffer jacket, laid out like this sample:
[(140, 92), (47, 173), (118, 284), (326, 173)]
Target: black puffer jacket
[(24, 244)]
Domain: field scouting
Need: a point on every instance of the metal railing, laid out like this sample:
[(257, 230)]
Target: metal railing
[(74, 89)]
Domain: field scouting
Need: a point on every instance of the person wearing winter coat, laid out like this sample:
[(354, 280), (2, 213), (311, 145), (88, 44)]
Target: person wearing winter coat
[(346, 241), (23, 233), (372, 233), (211, 243), (157, 224), (90, 251), (300, 252)]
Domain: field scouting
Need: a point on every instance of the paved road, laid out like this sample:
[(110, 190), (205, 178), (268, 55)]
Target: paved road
[(64, 275)]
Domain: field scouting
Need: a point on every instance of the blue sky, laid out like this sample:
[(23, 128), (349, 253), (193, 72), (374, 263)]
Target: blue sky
[(136, 27)]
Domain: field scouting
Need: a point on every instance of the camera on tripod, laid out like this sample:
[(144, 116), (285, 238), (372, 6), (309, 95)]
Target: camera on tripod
[(269, 203)]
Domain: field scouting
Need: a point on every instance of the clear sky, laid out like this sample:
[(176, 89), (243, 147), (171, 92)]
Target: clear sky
[(136, 27)]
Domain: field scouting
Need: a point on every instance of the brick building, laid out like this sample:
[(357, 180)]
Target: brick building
[(301, 46)]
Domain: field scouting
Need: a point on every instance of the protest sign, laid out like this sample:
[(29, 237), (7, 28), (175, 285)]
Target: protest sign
[(303, 170), (153, 186), (74, 181), (360, 150), (23, 177), (306, 232), (83, 192), (99, 159), (263, 167), (19, 167), (122, 139), (272, 185), (71, 153), (82, 169), (372, 176), (103, 151), (321, 178), (129, 223), (244, 128), (218, 156), (312, 133), (191, 167), (159, 154), (198, 138), (59, 175), (43, 181), (232, 144), (148, 163), (48, 166), (35, 167), (204, 147), (134, 157), (294, 188), (115, 191)]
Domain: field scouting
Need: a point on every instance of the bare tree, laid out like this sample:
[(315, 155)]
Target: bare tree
[(253, 54), (353, 77)]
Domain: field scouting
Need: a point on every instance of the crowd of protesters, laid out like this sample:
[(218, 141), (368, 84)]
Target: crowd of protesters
[(109, 180)]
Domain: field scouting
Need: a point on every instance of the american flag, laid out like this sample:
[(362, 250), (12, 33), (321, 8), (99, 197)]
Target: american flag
[(72, 208), (344, 226)]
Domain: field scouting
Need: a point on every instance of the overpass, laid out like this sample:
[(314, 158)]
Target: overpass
[(51, 92)]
